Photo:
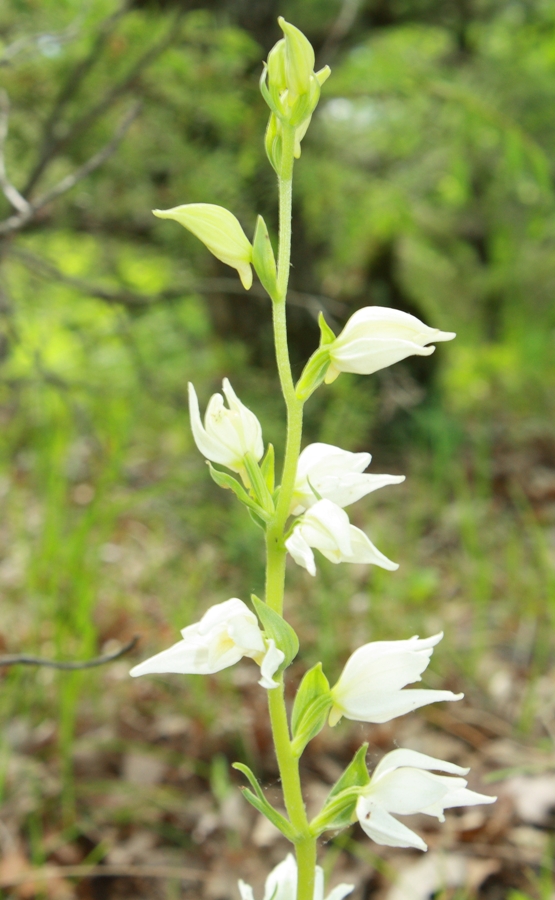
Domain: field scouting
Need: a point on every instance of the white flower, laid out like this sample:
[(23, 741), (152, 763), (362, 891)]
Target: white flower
[(226, 633), (376, 337), (227, 434), (370, 687), (402, 784), (326, 527), (281, 884), (335, 475)]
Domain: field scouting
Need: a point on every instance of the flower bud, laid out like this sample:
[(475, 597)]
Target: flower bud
[(219, 231), (291, 88)]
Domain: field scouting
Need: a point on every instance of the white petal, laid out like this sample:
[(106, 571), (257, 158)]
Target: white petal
[(208, 446), (385, 322), (224, 427), (318, 884), (300, 551), (407, 791), (401, 757), (251, 430), (385, 665), (366, 356), (364, 551), (269, 666), (246, 635), (384, 829), (465, 797), (281, 883), (245, 890), (185, 658), (317, 460), (326, 527), (341, 891), (379, 707), (221, 613)]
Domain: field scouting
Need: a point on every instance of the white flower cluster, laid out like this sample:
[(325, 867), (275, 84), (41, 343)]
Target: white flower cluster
[(371, 687)]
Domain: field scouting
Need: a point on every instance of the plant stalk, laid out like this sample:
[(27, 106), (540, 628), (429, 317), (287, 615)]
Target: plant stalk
[(305, 844)]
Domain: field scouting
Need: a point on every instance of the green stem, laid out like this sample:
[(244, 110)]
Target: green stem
[(288, 763)]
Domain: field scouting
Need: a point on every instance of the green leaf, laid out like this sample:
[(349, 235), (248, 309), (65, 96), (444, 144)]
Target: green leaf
[(339, 809), (278, 629), (263, 258), (327, 336), (267, 467), (355, 775), (224, 480), (258, 800), (339, 812), (313, 373), (259, 486), (311, 708)]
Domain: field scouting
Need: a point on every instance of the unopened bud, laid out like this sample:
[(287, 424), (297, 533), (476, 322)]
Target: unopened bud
[(219, 231)]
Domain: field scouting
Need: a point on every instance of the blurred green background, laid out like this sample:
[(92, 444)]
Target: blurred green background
[(425, 183)]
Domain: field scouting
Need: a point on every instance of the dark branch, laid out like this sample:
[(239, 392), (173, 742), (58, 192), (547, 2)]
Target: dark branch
[(312, 303), (24, 659), (102, 106), (10, 192), (68, 90)]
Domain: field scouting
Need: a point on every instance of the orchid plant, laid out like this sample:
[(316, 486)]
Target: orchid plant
[(306, 512)]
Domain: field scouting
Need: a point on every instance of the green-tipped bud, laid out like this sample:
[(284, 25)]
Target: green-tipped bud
[(299, 59), (263, 258), (291, 89), (219, 231)]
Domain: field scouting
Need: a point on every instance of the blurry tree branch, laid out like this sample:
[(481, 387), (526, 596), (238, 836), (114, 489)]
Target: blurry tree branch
[(27, 210), (68, 90), (26, 660), (10, 192), (340, 29), (312, 303), (10, 51), (51, 145)]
